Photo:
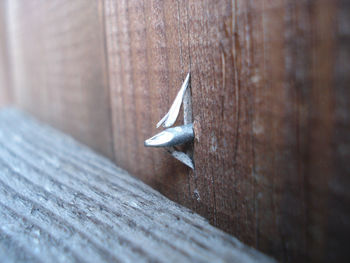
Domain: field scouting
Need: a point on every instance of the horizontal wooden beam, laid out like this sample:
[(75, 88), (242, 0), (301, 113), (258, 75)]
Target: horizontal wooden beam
[(60, 201)]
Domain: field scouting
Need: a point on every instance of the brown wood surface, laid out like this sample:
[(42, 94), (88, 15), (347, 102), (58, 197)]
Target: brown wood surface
[(270, 94), (144, 59), (59, 66), (4, 58), (264, 86)]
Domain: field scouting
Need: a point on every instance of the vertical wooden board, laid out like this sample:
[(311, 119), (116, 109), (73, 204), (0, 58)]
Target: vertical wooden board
[(270, 109), (144, 59), (4, 59), (337, 223), (59, 67), (270, 102), (265, 165)]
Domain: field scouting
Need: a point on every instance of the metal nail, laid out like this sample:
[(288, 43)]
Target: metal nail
[(172, 136), (182, 157), (169, 119)]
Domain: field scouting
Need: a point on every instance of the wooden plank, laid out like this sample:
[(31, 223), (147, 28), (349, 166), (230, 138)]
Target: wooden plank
[(269, 103), (4, 59), (145, 75), (61, 202), (59, 67)]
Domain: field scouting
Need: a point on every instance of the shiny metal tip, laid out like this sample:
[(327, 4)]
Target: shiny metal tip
[(171, 137)]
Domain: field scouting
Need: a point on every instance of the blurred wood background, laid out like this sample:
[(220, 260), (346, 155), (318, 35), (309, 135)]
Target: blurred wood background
[(4, 58), (270, 93)]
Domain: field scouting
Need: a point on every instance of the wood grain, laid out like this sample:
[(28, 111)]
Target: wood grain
[(270, 96), (266, 78), (59, 67), (61, 202), (5, 86), (145, 75)]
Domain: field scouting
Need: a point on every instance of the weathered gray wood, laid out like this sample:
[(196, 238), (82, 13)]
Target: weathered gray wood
[(60, 202)]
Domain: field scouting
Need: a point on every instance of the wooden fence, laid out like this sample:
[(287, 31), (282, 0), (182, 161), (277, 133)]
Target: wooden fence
[(270, 94)]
